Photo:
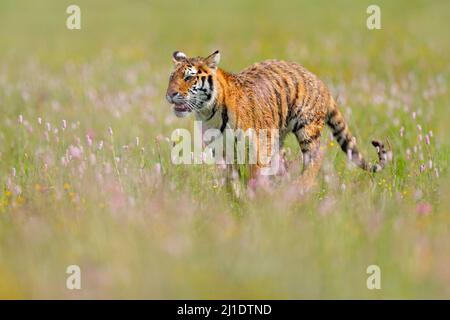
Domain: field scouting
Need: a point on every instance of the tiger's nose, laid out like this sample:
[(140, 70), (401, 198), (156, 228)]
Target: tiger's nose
[(171, 95)]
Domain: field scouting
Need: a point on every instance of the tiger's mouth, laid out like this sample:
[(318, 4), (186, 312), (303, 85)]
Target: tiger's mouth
[(182, 107)]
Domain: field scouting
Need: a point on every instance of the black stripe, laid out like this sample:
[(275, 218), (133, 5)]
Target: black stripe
[(278, 79), (277, 96), (344, 145), (289, 114), (224, 119), (338, 131), (317, 98), (210, 82), (212, 114), (332, 114), (300, 124), (288, 92), (280, 110)]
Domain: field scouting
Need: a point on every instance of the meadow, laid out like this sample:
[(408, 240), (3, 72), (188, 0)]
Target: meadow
[(86, 177)]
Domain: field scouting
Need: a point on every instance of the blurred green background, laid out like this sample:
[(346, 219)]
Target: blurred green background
[(142, 228)]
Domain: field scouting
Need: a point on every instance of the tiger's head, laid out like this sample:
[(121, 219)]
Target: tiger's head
[(192, 83)]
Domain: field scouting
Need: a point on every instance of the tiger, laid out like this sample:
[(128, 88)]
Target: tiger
[(272, 94)]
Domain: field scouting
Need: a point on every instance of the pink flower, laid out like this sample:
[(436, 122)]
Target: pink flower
[(89, 140), (75, 152), (157, 169), (424, 208)]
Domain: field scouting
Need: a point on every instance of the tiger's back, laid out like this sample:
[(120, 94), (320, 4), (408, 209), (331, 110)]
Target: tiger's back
[(282, 95)]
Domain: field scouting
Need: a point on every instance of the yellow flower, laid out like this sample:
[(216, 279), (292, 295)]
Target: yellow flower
[(20, 200), (37, 187), (8, 194), (66, 186)]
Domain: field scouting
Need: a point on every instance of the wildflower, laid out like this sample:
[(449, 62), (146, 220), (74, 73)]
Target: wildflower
[(39, 120), (48, 126), (414, 114), (64, 124), (402, 131), (75, 152), (419, 128), (20, 119), (110, 130), (66, 186), (157, 168), (430, 164), (89, 140), (137, 141), (424, 208), (17, 190), (20, 200), (422, 168), (349, 154), (389, 155), (427, 139)]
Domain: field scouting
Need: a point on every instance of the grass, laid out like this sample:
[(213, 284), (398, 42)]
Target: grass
[(140, 227)]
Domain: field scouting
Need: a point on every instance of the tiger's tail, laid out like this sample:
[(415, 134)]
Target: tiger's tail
[(343, 136)]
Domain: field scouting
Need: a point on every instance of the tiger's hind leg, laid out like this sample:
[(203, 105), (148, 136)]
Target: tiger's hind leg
[(309, 140)]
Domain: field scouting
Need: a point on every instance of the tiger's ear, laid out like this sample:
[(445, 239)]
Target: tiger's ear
[(178, 57), (213, 60)]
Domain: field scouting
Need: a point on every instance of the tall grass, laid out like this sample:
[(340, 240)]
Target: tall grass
[(86, 176)]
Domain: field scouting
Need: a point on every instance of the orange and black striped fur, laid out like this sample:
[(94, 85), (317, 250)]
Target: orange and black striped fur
[(266, 95)]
